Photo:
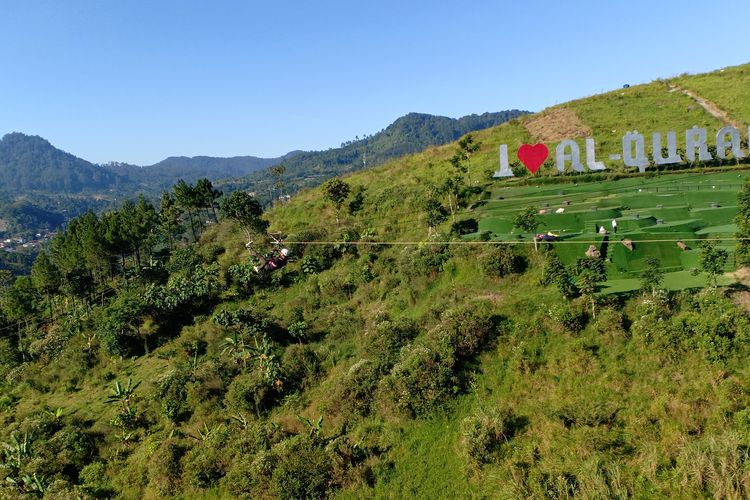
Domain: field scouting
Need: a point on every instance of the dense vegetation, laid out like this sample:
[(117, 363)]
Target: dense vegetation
[(136, 363), (30, 163)]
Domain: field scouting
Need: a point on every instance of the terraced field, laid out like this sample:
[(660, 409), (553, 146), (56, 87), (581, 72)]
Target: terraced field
[(654, 213)]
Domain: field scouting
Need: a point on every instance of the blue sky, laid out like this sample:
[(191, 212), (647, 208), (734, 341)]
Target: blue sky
[(138, 81)]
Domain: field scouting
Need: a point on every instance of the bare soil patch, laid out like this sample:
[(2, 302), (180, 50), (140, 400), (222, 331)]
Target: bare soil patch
[(557, 124)]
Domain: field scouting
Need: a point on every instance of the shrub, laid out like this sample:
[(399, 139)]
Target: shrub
[(183, 259), (94, 480), (165, 469), (715, 326), (501, 261), (651, 321), (118, 329), (299, 364), (249, 392), (70, 448), (245, 279), (358, 387), (570, 318), (384, 341), (420, 381), (311, 265), (9, 356), (424, 260), (463, 330), (172, 394), (298, 331), (240, 481), (210, 253), (303, 470), (207, 462), (49, 346), (485, 432)]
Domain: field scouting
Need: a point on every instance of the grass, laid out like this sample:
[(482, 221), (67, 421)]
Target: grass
[(721, 87), (667, 207)]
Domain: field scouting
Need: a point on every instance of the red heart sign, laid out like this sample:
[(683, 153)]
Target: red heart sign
[(532, 156)]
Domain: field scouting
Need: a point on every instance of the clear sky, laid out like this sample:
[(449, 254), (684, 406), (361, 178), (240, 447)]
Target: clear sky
[(137, 81)]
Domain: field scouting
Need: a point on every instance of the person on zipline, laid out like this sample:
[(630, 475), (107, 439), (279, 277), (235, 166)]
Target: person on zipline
[(271, 262)]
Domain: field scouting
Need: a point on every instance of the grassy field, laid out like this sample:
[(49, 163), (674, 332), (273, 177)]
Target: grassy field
[(653, 212), (720, 87)]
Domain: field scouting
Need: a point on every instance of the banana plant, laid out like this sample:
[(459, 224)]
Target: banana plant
[(206, 432), (241, 420), (235, 347), (267, 362), (16, 451), (314, 428), (33, 484), (57, 413), (123, 394)]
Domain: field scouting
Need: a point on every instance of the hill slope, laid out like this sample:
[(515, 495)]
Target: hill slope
[(381, 370), (408, 134), (30, 163)]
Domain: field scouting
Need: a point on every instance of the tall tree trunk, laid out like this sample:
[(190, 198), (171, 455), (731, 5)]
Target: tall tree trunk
[(192, 225)]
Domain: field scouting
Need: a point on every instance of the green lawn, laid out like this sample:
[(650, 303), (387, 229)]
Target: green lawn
[(667, 208)]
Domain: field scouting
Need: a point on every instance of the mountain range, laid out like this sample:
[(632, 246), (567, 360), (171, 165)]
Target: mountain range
[(30, 163)]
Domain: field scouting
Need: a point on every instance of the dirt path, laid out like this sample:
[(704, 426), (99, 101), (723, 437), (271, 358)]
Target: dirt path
[(710, 107)]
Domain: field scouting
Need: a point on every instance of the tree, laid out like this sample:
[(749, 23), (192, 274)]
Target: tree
[(46, 277), (245, 210), (169, 218), (206, 195), (336, 191), (436, 214), (143, 223), (466, 148), (19, 303), (652, 277), (742, 219), (712, 260), (278, 176), (527, 221), (6, 278), (555, 272), (452, 188), (187, 198), (115, 233), (590, 272)]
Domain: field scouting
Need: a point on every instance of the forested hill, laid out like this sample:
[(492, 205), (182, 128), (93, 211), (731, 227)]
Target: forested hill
[(166, 172), (32, 163), (409, 134)]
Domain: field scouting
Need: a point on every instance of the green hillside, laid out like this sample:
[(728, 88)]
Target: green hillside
[(408, 134), (399, 353)]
